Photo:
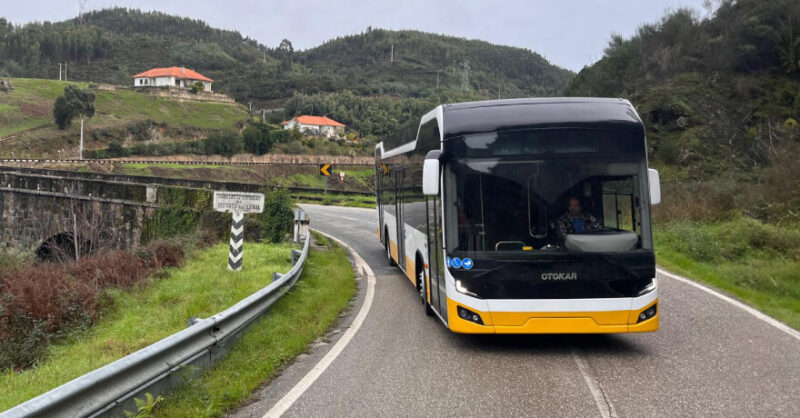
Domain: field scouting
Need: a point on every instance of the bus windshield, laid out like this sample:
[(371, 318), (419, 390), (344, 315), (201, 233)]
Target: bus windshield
[(576, 191)]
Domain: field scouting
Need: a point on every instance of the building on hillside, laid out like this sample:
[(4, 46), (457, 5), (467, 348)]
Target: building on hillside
[(316, 125), (171, 76)]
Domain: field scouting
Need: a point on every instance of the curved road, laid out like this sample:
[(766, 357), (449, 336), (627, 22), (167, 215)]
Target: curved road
[(710, 358)]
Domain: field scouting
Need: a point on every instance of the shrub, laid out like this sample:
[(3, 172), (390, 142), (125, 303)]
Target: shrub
[(226, 142), (278, 217), (115, 150), (42, 302)]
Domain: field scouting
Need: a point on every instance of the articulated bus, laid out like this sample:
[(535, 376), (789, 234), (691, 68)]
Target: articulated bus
[(524, 215)]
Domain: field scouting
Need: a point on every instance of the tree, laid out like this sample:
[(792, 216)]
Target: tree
[(257, 139), (286, 51), (197, 86), (225, 142), (74, 103)]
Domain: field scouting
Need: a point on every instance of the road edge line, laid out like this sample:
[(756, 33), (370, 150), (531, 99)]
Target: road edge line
[(300, 388), (602, 402), (747, 308)]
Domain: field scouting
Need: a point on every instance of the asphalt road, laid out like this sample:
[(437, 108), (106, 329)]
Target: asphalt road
[(710, 358)]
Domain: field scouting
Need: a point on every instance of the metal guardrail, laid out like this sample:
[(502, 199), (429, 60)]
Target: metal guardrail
[(165, 364)]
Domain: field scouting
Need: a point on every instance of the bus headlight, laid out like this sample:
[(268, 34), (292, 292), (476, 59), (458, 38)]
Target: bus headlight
[(647, 314), (649, 288), (461, 289), (468, 315)]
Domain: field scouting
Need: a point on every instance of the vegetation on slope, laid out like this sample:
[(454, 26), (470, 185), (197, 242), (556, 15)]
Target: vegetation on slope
[(301, 316), (27, 127), (203, 287), (110, 45), (719, 98)]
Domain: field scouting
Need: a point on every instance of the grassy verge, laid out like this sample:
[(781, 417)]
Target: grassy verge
[(334, 199), (755, 262), (299, 318), (142, 316)]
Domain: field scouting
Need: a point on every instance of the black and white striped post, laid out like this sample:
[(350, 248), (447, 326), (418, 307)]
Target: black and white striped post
[(237, 242), (237, 204)]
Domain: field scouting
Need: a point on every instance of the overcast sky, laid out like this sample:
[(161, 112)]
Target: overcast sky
[(569, 33)]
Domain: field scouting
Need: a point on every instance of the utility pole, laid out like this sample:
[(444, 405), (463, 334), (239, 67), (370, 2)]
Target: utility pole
[(80, 157), (391, 56), (437, 79), (465, 76), (59, 71)]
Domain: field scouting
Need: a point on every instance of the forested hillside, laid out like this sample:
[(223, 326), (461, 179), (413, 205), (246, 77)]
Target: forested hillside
[(111, 45), (720, 97)]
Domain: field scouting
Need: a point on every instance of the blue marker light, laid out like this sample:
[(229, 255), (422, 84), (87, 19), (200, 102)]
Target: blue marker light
[(455, 262), (466, 263)]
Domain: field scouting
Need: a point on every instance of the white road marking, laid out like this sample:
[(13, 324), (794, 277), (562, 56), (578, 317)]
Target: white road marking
[(294, 394), (344, 217), (600, 399), (758, 314)]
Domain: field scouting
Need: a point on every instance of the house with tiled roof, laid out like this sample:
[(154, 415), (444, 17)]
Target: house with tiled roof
[(171, 76), (316, 125)]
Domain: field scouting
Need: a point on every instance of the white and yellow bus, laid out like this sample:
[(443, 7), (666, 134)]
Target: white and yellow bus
[(524, 216)]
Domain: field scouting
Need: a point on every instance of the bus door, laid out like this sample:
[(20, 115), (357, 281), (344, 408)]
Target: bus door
[(435, 257), (379, 173), (399, 190)]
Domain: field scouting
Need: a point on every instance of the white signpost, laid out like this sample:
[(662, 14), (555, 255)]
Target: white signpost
[(237, 203)]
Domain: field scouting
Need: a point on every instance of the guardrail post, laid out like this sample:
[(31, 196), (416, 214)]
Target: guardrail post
[(304, 221), (296, 226), (296, 256)]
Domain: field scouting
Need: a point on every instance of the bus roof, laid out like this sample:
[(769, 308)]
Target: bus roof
[(486, 116)]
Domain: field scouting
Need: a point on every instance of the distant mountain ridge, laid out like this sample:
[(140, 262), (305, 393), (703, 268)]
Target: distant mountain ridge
[(112, 44)]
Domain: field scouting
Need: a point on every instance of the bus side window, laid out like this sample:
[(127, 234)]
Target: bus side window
[(618, 204)]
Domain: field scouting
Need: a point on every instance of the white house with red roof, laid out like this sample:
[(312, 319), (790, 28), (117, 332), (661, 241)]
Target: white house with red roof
[(322, 125), (171, 76)]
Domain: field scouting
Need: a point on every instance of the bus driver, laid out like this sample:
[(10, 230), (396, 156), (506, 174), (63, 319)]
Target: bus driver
[(574, 221)]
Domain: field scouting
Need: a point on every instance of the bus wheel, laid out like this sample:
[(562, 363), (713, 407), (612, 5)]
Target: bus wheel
[(388, 251), (422, 293)]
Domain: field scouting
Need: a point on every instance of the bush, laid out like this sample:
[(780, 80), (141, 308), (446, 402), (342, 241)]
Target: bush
[(257, 140), (42, 302), (115, 150), (278, 217)]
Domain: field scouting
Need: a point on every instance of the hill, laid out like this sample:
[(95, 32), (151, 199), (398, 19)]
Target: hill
[(110, 45), (719, 95), (27, 128)]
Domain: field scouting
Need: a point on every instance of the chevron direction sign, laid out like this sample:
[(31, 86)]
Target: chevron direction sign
[(237, 204)]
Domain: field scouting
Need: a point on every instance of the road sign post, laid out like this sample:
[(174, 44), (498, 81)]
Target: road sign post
[(325, 170), (237, 204)]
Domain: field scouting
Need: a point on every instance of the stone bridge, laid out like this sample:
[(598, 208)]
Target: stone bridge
[(46, 208)]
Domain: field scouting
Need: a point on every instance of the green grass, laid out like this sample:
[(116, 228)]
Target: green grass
[(755, 262), (30, 105), (299, 318), (355, 179), (140, 317), (335, 199)]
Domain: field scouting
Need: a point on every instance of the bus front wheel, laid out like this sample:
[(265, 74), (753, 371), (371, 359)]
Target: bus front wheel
[(422, 293), (388, 249)]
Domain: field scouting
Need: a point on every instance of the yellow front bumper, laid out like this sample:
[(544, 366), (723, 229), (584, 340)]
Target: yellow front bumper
[(551, 322)]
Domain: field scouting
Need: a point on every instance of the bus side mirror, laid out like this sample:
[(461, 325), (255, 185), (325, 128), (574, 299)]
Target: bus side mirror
[(430, 173), (655, 186)]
